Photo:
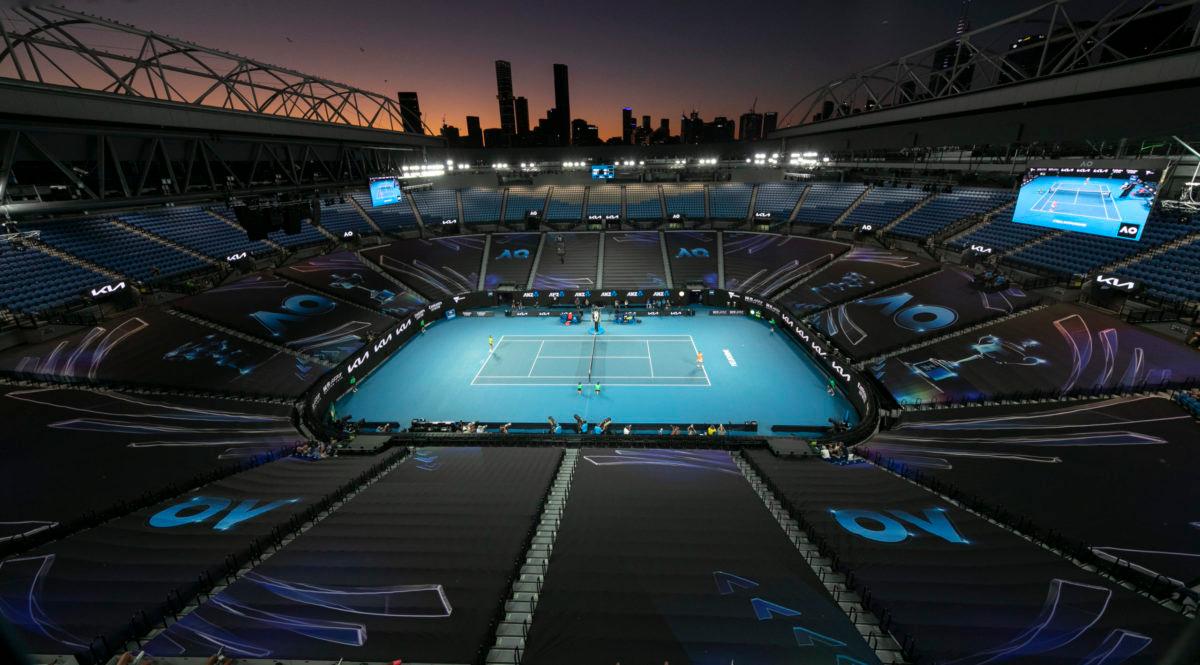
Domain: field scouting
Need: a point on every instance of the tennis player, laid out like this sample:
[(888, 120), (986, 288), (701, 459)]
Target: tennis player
[(491, 344), (699, 360)]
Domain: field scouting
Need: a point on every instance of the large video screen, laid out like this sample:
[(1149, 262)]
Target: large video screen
[(385, 191), (603, 172), (1110, 202)]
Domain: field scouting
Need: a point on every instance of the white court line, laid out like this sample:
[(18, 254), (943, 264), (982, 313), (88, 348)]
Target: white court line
[(535, 358), (651, 360), (600, 357), (681, 338), (622, 385), (485, 361), (573, 376), (709, 381)]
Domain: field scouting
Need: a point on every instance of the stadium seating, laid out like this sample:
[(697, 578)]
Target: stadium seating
[(198, 230), (633, 260), (341, 217), (603, 200), (778, 199), (826, 201), (566, 204), (684, 199), (1190, 402), (1000, 233), (1080, 253), (947, 208), (1170, 275), (578, 266), (308, 236), (481, 205), (115, 248), (36, 281), (390, 218), (881, 205), (523, 199), (642, 203), (436, 204), (729, 201)]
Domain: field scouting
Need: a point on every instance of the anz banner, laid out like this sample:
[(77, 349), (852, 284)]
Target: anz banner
[(354, 369)]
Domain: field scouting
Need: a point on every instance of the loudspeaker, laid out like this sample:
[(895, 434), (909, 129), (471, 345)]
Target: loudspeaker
[(293, 217)]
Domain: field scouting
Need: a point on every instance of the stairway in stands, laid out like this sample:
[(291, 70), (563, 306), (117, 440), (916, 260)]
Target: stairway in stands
[(137, 230), (835, 583), (82, 263), (523, 598), (633, 260), (578, 267)]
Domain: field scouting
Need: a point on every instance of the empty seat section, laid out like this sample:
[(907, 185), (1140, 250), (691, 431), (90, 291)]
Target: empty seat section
[(603, 200), (777, 199), (1080, 253), (342, 217), (1000, 233), (882, 205), (118, 249), (436, 204), (1170, 275), (35, 281), (826, 201), (389, 218), (575, 268), (566, 204), (481, 205), (633, 260), (200, 230), (522, 200), (642, 202), (684, 199), (947, 208), (729, 201)]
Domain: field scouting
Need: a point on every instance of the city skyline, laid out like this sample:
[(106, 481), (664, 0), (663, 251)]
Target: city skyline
[(664, 66)]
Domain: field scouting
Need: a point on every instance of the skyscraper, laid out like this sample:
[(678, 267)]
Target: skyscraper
[(770, 122), (521, 105), (474, 132), (562, 102), (410, 112), (952, 69), (646, 122), (627, 125), (504, 94), (750, 126)]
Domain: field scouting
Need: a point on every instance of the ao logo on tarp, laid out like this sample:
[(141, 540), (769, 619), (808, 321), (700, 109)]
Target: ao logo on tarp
[(893, 527), (513, 254), (694, 253), (295, 309), (1128, 230), (916, 317), (201, 509)]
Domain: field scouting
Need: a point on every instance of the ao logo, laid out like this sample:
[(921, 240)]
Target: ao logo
[(513, 254), (296, 308), (874, 525), (202, 508), (1128, 230), (918, 317), (698, 253)]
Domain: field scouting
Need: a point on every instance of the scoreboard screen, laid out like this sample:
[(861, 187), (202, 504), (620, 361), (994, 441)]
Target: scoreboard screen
[(1111, 202), (603, 172), (385, 191)]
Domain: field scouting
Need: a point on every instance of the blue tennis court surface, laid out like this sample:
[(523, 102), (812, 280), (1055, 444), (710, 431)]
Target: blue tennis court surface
[(566, 360), (648, 373)]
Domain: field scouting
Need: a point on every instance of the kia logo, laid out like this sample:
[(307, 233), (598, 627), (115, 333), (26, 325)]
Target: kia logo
[(236, 257), (981, 249), (107, 289), (762, 215), (1116, 282)]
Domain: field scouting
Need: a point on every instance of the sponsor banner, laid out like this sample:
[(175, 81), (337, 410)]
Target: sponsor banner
[(1117, 283), (726, 312), (672, 312), (533, 312), (106, 291), (477, 313)]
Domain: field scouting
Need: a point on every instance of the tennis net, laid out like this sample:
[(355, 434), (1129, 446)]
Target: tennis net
[(592, 359)]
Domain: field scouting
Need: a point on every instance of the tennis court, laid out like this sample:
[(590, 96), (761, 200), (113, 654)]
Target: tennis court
[(566, 360), (1080, 198)]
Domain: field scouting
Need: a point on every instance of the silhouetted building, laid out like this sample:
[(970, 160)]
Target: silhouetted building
[(584, 134), (750, 126), (450, 133), (410, 112), (952, 68), (494, 137), (521, 105), (691, 128), (719, 130), (627, 125), (826, 110), (504, 94), (562, 102), (474, 132), (770, 122)]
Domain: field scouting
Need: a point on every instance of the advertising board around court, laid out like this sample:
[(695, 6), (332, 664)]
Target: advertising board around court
[(1110, 200)]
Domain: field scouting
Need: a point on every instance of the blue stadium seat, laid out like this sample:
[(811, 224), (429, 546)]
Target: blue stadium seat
[(947, 208), (118, 249), (826, 201)]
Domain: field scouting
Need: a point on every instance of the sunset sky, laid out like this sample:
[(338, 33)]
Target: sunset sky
[(660, 57)]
